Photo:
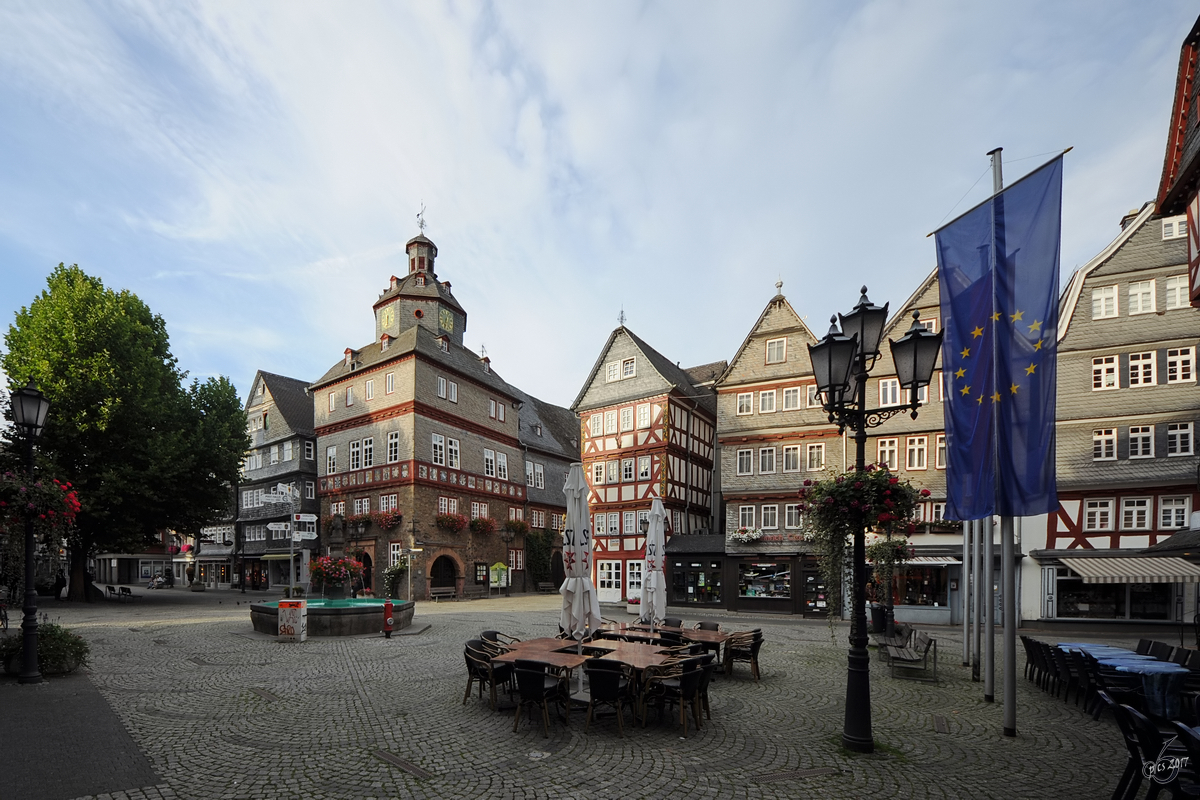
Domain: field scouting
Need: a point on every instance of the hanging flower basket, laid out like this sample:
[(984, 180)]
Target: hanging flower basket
[(454, 523), (483, 525), (516, 526), (746, 535), (388, 520)]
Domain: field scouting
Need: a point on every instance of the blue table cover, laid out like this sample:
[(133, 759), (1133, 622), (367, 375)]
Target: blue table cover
[(1161, 682)]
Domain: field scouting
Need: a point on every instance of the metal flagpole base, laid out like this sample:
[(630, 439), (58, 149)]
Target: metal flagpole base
[(1010, 731)]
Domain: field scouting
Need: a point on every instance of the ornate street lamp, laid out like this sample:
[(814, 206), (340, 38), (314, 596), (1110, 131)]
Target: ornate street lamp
[(29, 407), (834, 358)]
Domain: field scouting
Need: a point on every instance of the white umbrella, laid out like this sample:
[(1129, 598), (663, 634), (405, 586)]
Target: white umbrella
[(581, 605), (654, 595)]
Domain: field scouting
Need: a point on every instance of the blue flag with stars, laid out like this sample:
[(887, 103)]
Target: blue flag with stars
[(998, 275)]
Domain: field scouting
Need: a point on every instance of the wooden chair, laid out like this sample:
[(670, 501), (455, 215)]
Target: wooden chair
[(481, 669), (672, 622), (743, 646), (536, 687), (708, 625), (610, 684), (681, 684)]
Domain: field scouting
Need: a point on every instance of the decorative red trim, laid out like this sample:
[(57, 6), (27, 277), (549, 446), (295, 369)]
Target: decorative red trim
[(424, 410)]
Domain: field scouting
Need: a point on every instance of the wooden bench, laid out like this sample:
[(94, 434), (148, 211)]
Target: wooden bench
[(126, 594), (110, 592), (901, 638), (545, 587), (438, 592), (913, 661), (475, 592)]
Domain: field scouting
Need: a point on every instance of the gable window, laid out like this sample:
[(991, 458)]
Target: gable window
[(887, 453), (439, 449), (1141, 369), (489, 462), (598, 473), (368, 448), (643, 415), (917, 447), (643, 468), (502, 466), (627, 469), (816, 457), (610, 421), (389, 383), (766, 402), (929, 323), (1177, 292), (1104, 444), (393, 447), (1174, 227), (529, 473), (628, 368), (940, 462), (349, 396), (1181, 365), (1104, 302), (1141, 297), (791, 458), (813, 396), (766, 460), (614, 471), (452, 453), (1098, 515), (791, 398), (539, 477), (745, 403), (889, 392), (356, 455), (746, 516), (770, 517), (1173, 512), (330, 460), (370, 390), (1141, 441), (1104, 373), (1179, 439), (612, 371), (791, 515), (776, 351), (626, 419), (310, 449), (441, 387), (745, 462), (1135, 513), (596, 424)]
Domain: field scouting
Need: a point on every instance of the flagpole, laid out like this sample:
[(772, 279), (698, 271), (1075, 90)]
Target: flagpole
[(965, 589), (976, 559), (989, 612)]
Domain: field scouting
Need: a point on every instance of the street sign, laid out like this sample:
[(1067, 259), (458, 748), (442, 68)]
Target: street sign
[(304, 517), (279, 526), (298, 535)]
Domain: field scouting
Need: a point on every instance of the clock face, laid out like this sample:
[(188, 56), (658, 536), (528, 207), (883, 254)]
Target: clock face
[(446, 320), (387, 317)]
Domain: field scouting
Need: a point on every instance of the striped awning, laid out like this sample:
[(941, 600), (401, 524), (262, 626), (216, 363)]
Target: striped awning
[(931, 561), (1134, 570)]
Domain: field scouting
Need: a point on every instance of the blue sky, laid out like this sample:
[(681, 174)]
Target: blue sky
[(252, 171)]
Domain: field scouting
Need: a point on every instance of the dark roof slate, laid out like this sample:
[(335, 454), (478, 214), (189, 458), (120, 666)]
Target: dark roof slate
[(706, 373), (292, 399), (681, 544), (560, 427)]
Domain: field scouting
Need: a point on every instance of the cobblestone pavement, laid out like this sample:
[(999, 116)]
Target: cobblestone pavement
[(222, 712)]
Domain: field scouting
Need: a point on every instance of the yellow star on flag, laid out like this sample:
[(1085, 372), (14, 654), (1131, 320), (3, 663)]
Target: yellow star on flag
[(1030, 369), (996, 317), (1013, 388), (975, 334), (1037, 345), (966, 390), (1017, 316), (966, 351), (960, 373), (996, 397), (979, 399), (1036, 326)]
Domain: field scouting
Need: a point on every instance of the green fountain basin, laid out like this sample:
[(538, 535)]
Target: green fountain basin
[(348, 617)]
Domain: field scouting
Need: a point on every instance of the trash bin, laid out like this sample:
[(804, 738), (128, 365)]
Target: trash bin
[(878, 618)]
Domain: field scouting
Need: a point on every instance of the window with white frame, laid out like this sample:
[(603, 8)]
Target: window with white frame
[(917, 452), (370, 389), (1177, 292), (643, 415), (395, 553), (356, 455), (766, 402), (310, 451), (1179, 439), (389, 383), (596, 424), (643, 464), (1104, 373), (922, 395), (393, 447), (642, 515), (516, 559), (492, 407), (812, 396), (439, 450), (627, 469), (612, 371), (287, 451), (368, 447), (929, 323), (349, 396), (274, 454), (887, 453), (332, 400), (1141, 297), (515, 513), (1104, 302), (745, 516), (252, 462), (745, 462), (610, 421), (1098, 515), (362, 505), (1173, 512), (614, 471), (598, 473), (791, 458), (776, 351), (539, 476), (310, 490), (1141, 441), (529, 473), (1181, 365), (889, 392), (330, 460), (937, 512), (489, 462), (791, 398), (1141, 369), (628, 523), (337, 508), (537, 519), (1174, 227), (453, 394), (940, 458), (447, 505), (479, 510), (766, 460), (770, 517), (1104, 444), (745, 403), (1135, 513), (387, 502), (502, 466), (441, 387), (628, 368), (791, 516), (816, 457), (626, 419), (452, 459)]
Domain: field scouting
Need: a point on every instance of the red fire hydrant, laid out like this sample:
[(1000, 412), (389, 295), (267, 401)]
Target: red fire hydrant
[(387, 619)]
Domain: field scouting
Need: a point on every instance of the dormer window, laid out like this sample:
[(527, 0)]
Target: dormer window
[(394, 281), (385, 341), (349, 357), (1174, 227), (487, 364), (443, 344), (537, 429), (420, 280)]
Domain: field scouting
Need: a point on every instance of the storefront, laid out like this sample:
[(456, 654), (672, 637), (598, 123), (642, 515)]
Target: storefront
[(925, 590), (1115, 588), (695, 568)]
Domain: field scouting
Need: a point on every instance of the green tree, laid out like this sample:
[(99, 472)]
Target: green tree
[(143, 451)]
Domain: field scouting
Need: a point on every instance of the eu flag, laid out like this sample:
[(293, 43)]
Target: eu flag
[(998, 275)]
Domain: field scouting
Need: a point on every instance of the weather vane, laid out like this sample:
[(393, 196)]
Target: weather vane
[(421, 218), (621, 317)]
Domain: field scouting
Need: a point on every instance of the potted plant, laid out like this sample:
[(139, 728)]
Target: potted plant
[(746, 535), (633, 605)]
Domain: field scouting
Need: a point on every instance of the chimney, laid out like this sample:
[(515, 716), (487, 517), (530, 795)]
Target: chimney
[(1129, 217)]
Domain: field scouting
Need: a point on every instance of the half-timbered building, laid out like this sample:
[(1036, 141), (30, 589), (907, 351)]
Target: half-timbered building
[(648, 429)]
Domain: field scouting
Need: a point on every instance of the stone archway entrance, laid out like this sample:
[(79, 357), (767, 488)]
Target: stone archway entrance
[(443, 573), (368, 570)]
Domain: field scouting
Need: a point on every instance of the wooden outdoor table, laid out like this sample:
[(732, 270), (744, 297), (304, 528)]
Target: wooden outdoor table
[(538, 645), (558, 660), (705, 637), (638, 659)]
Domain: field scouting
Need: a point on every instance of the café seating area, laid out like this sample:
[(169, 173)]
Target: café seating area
[(628, 669)]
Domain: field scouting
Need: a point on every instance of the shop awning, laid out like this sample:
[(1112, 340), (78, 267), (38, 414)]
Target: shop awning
[(931, 561), (1163, 569), (278, 556)]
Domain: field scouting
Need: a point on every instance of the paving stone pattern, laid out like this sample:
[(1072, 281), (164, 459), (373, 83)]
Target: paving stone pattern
[(222, 712)]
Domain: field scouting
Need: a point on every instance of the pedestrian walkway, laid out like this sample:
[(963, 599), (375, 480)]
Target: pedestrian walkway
[(200, 707)]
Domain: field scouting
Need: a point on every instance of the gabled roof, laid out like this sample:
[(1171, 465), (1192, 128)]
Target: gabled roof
[(1070, 295), (433, 289), (673, 375), (419, 341), (559, 426), (705, 374), (902, 318), (1181, 164), (291, 398), (778, 301)]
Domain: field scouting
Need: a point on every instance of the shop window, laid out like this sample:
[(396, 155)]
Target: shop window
[(765, 579), (481, 573), (920, 586)]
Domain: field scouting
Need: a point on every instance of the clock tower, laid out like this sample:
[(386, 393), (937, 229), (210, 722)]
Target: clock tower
[(419, 299)]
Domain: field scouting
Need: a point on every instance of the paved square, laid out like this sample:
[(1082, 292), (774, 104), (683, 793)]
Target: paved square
[(221, 712)]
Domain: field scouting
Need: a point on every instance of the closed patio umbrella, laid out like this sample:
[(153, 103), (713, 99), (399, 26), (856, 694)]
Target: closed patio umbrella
[(654, 595), (581, 605)]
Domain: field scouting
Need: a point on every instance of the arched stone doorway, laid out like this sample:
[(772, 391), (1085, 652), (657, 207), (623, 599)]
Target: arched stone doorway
[(443, 573), (368, 571)]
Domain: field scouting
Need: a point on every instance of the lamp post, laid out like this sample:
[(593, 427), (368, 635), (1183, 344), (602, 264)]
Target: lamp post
[(835, 359), (29, 408)]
